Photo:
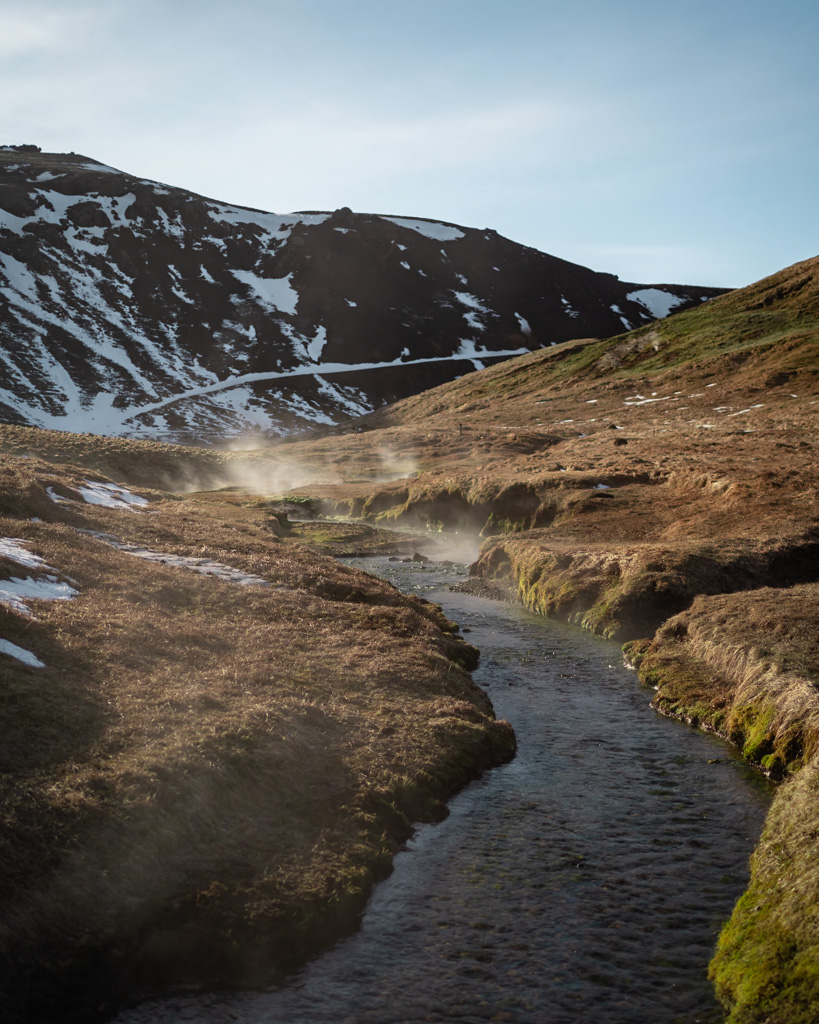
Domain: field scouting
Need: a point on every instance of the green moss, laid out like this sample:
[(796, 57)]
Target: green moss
[(497, 524), (602, 617), (634, 651), (766, 968), (755, 726)]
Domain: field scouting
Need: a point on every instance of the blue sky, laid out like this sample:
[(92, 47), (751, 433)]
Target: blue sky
[(659, 142)]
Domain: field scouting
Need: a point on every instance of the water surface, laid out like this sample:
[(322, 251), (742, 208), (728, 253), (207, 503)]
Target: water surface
[(583, 883)]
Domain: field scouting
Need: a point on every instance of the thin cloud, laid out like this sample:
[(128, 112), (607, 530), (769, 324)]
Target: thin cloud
[(36, 30)]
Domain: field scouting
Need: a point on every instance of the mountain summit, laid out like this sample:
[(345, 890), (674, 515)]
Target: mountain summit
[(132, 308)]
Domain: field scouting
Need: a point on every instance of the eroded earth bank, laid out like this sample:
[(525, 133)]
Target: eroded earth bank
[(659, 488)]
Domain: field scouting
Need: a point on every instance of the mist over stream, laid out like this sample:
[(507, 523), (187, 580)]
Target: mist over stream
[(583, 883)]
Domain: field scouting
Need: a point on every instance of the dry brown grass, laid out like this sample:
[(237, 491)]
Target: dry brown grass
[(746, 665), (751, 671), (204, 768), (704, 428), (714, 492)]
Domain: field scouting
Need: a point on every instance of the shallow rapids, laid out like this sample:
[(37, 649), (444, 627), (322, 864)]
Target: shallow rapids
[(583, 883)]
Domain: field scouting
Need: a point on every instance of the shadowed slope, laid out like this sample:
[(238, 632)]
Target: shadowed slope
[(212, 743), (138, 309)]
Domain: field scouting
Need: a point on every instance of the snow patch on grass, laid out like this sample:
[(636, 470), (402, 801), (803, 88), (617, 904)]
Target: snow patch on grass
[(110, 495), (20, 653), (204, 566), (15, 591), (14, 549)]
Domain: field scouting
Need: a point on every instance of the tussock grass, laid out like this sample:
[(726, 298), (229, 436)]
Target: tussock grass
[(702, 427), (746, 665), (750, 672), (205, 778)]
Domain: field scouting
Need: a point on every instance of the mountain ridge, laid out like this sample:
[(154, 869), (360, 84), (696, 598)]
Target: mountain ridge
[(136, 309)]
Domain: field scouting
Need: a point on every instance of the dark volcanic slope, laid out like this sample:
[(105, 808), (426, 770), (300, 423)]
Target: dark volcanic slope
[(132, 308)]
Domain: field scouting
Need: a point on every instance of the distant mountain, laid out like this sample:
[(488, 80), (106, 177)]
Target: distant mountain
[(131, 308)]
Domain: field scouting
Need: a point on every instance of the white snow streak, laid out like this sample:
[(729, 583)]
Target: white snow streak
[(431, 229), (656, 301), (352, 400), (204, 566), (20, 653), (316, 346), (524, 325), (273, 292), (301, 371), (623, 321), (110, 495)]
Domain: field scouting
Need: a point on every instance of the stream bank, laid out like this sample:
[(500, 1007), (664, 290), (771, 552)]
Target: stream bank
[(584, 881), (732, 657), (211, 750)]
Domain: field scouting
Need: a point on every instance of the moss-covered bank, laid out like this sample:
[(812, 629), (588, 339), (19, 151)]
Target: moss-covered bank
[(743, 664), (766, 969), (746, 666), (627, 590)]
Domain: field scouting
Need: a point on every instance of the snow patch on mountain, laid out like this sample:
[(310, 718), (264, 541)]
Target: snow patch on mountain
[(477, 309), (658, 302), (276, 225), (616, 309), (468, 349), (430, 229), (352, 400), (273, 292), (104, 168), (316, 346), (524, 325)]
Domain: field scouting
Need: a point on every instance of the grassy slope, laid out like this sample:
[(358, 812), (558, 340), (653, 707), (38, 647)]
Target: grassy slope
[(205, 778), (708, 527), (709, 514)]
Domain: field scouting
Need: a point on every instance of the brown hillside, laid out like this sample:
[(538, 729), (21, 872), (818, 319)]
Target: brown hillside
[(211, 750)]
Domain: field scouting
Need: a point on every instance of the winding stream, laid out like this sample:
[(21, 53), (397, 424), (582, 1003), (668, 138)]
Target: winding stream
[(583, 883)]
